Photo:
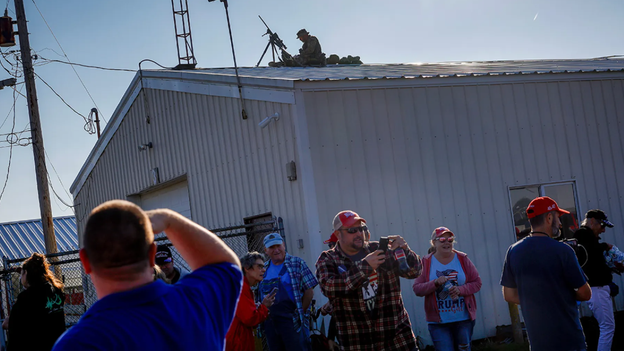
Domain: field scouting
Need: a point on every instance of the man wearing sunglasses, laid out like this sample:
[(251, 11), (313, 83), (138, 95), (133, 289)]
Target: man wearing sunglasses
[(361, 280), (598, 274)]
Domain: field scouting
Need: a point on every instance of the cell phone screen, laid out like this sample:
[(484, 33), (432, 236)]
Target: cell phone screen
[(274, 291), (383, 243)]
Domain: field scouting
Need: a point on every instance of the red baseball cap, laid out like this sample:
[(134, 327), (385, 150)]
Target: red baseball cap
[(346, 218), (439, 231), (332, 239), (541, 205)]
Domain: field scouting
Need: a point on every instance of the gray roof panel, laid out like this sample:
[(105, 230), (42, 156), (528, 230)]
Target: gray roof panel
[(424, 70)]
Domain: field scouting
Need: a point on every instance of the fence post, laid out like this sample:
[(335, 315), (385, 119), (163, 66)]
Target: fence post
[(516, 327), (4, 265)]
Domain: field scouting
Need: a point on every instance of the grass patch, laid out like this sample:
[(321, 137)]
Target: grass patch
[(492, 346)]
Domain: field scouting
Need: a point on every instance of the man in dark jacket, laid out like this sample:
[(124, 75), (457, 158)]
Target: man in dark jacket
[(598, 274)]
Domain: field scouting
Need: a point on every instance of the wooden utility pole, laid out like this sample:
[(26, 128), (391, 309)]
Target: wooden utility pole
[(35, 130)]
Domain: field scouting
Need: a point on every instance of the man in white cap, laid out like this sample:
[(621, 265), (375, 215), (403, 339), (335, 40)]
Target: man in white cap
[(544, 277), (362, 283), (289, 276)]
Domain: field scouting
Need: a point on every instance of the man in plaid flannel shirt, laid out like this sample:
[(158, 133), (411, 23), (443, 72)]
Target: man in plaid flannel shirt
[(362, 283), (287, 326)]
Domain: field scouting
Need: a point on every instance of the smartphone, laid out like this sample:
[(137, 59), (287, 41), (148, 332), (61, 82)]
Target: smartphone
[(383, 243), (274, 291)]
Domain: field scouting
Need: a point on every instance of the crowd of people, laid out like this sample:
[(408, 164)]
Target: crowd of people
[(146, 302)]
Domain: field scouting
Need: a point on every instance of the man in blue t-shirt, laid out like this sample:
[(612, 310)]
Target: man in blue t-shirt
[(544, 277), (134, 312)]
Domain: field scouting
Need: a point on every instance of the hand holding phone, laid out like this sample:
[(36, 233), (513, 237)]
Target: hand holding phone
[(274, 291), (383, 243)]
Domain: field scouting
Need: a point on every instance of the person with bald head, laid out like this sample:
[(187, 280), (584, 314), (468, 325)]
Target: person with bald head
[(134, 312)]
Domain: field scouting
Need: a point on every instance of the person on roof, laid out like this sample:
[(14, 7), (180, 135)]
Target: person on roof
[(310, 53)]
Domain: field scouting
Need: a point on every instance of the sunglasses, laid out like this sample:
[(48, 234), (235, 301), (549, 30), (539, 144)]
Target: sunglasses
[(356, 229), (443, 240)]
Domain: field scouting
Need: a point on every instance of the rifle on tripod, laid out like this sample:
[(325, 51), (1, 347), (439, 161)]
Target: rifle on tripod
[(275, 43)]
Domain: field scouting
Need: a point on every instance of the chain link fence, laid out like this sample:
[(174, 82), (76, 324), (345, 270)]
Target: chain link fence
[(79, 291)]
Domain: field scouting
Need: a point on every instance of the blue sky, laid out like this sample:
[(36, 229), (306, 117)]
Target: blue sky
[(118, 34)]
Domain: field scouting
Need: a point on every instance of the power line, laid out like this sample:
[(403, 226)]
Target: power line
[(52, 187), (57, 175), (12, 107), (88, 66), (88, 127), (67, 57), (6, 179)]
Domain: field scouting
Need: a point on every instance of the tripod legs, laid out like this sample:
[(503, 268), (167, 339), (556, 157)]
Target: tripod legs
[(263, 53)]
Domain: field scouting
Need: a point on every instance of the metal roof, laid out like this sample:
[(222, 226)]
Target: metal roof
[(21, 239), (425, 70)]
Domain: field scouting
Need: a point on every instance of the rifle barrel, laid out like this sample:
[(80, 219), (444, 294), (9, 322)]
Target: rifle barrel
[(266, 25)]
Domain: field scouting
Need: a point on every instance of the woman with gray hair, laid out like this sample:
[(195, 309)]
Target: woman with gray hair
[(248, 314)]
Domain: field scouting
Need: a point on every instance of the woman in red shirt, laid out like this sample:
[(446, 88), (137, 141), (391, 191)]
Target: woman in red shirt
[(248, 314)]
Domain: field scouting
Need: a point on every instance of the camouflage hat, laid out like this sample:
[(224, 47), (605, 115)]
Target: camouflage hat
[(302, 32)]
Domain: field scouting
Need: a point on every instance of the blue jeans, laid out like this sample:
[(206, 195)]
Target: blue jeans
[(281, 335), (452, 336)]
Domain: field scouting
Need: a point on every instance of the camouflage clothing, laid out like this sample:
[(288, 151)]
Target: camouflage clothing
[(311, 53)]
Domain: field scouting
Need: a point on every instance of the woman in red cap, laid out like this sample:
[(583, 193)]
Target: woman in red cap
[(448, 282)]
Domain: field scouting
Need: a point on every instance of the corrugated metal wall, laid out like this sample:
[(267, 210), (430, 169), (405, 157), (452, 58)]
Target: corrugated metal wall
[(21, 239), (234, 168), (412, 159)]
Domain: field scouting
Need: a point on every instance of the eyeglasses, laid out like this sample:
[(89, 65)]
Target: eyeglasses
[(354, 230), (443, 239), (259, 266)]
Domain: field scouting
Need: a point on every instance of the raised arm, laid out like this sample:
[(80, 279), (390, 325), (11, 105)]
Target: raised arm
[(197, 245), (334, 283), (413, 260)]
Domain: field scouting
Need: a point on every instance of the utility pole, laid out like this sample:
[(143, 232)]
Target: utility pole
[(35, 130)]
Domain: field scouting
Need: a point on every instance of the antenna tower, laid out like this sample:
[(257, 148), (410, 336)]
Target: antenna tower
[(182, 26)]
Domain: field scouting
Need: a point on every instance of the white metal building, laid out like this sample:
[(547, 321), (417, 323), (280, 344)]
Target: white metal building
[(408, 147)]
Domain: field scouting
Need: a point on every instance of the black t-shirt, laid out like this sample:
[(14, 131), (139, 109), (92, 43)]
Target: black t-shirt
[(37, 319), (598, 273)]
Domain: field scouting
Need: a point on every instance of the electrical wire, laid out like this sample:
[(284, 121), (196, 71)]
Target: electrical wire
[(6, 179), (145, 102), (87, 66), (4, 55), (57, 175), (54, 190), (154, 62), (67, 57), (12, 107), (88, 127)]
